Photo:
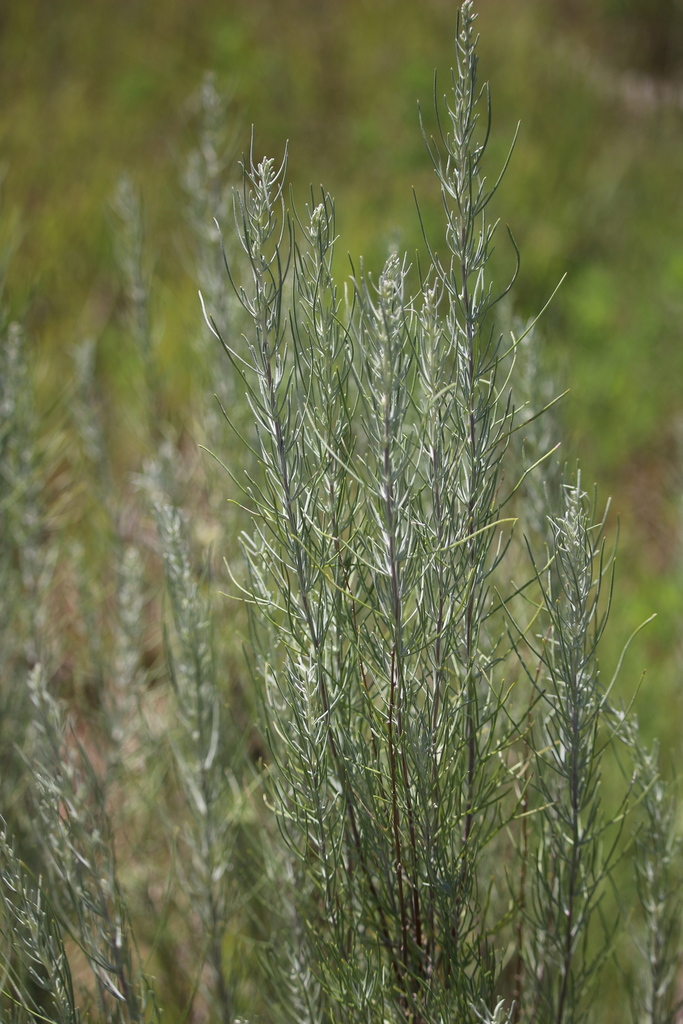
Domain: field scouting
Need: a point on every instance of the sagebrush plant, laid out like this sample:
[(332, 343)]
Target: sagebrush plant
[(392, 654), (428, 590), (200, 750)]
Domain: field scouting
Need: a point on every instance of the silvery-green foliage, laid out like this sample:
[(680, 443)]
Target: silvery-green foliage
[(27, 560), (437, 734), (124, 679), (386, 639), (35, 971), (655, 991), (380, 427), (86, 412), (572, 850), (500, 1014), (536, 442), (130, 245), (79, 851), (206, 180), (205, 749), (19, 470), (129, 639)]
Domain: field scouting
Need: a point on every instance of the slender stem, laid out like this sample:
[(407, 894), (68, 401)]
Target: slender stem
[(471, 546), (569, 909), (518, 986), (395, 814), (296, 548)]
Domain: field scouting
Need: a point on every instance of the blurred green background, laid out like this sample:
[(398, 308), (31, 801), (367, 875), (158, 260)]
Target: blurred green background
[(92, 88)]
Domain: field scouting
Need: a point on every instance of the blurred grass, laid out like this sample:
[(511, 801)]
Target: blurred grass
[(92, 89)]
